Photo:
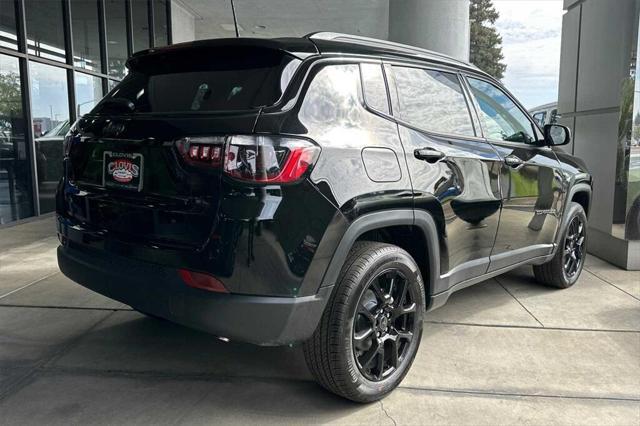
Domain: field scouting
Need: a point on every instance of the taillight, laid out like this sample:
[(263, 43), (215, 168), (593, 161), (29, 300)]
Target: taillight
[(256, 158), (202, 281), (206, 151)]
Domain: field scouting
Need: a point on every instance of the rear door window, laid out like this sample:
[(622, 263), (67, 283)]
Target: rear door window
[(433, 100), (186, 81)]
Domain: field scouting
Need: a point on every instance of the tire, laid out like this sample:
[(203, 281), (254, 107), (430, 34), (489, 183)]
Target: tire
[(555, 272), (338, 351)]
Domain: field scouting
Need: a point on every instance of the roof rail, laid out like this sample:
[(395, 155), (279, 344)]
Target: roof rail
[(374, 42)]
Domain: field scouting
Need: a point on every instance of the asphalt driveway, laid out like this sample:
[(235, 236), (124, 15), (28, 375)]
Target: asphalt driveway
[(504, 351)]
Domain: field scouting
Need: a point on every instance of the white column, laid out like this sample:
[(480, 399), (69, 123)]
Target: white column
[(183, 22), (438, 25)]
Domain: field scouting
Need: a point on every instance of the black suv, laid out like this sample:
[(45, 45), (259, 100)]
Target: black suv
[(325, 190)]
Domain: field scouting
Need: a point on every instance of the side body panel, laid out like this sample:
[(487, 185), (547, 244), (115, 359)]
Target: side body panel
[(465, 183), (534, 195), (360, 169), (463, 186)]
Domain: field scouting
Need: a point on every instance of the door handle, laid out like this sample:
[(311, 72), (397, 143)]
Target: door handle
[(513, 161), (429, 155)]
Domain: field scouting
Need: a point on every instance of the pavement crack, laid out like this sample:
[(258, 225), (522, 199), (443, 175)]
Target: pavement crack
[(498, 393), (384, 410), (519, 303), (531, 327), (81, 308), (29, 285), (611, 284)]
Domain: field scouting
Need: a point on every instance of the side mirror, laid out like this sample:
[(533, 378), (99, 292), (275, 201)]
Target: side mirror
[(556, 134)]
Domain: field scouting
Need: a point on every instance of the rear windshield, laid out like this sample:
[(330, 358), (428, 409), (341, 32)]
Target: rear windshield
[(202, 80)]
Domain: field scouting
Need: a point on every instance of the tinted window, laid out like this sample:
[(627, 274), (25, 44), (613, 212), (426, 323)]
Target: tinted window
[(240, 78), (116, 26), (539, 117), (50, 111), (15, 167), (88, 92), (433, 100), (160, 22), (140, 22), (45, 29), (501, 118), (8, 31), (86, 41), (375, 90)]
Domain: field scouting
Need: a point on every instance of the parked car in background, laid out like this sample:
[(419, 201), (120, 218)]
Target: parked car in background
[(545, 114), (49, 152), (325, 190)]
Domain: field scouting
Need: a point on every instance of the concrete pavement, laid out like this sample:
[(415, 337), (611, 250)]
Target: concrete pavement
[(504, 351)]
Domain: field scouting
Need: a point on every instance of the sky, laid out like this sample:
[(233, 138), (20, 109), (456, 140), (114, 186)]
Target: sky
[(530, 31)]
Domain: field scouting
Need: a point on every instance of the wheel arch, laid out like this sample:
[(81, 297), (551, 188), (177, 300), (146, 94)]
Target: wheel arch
[(581, 194), (391, 226)]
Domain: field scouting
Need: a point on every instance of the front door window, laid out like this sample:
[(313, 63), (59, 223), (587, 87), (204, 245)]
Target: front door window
[(500, 117)]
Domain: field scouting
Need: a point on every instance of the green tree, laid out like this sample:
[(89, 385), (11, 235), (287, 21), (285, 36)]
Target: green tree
[(10, 100), (485, 44)]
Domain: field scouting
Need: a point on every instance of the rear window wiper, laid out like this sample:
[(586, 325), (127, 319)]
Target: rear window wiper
[(203, 93)]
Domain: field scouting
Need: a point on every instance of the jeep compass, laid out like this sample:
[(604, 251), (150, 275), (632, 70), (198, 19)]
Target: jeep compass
[(326, 190)]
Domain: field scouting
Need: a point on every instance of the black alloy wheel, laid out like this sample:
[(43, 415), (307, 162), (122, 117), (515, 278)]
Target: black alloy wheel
[(574, 246), (371, 329), (383, 326), (563, 270)]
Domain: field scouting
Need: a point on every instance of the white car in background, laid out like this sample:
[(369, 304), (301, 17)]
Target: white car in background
[(545, 114)]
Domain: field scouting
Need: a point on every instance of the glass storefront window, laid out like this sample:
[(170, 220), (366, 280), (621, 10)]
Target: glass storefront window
[(88, 92), (626, 202), (8, 31), (50, 111), (86, 40), (112, 84), (160, 22), (140, 18), (16, 200), (116, 24), (45, 29)]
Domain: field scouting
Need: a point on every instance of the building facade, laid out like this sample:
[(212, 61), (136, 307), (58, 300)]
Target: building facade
[(599, 99), (59, 57)]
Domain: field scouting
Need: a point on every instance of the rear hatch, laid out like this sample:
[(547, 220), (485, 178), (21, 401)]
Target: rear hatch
[(144, 164)]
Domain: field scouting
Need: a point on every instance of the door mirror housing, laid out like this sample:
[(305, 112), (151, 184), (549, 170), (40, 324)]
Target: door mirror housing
[(556, 134)]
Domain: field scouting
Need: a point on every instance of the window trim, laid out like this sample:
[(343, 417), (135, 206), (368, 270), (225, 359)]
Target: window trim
[(386, 89), (453, 71), (543, 113), (536, 129)]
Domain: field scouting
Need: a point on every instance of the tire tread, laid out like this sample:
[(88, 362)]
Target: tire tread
[(322, 351)]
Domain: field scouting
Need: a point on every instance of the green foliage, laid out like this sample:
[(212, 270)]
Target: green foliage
[(10, 99), (625, 128), (486, 44)]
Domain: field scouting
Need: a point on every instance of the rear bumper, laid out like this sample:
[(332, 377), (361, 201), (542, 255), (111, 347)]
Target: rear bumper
[(158, 290)]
